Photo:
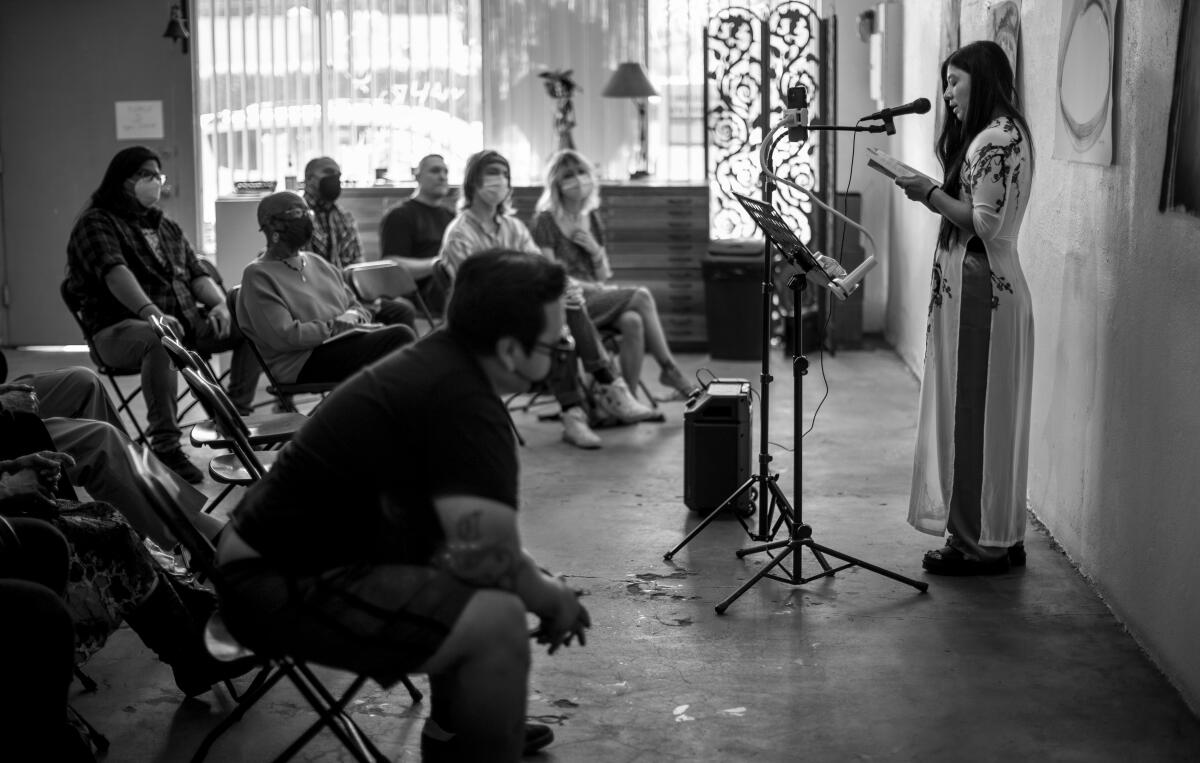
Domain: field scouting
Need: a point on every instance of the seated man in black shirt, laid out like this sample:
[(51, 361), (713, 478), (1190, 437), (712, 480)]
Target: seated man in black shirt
[(411, 231), (385, 540)]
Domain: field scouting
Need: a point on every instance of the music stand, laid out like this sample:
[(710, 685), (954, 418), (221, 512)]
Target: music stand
[(799, 534)]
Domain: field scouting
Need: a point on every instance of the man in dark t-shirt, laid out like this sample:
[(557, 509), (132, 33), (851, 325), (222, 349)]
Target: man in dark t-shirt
[(412, 230), (384, 540)]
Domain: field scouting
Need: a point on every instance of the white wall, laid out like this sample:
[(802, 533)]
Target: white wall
[(1116, 419), (63, 64), (853, 102)]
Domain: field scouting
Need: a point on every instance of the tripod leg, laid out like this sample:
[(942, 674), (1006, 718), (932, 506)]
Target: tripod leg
[(920, 586), (724, 605), (744, 552), (820, 558), (712, 515)]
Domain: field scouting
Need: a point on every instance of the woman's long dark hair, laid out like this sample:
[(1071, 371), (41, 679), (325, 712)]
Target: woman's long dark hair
[(992, 90), (111, 196)]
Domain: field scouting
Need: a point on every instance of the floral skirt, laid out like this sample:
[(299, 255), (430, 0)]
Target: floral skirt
[(110, 574)]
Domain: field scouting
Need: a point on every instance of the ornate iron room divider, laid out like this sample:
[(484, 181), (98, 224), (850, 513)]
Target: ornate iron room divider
[(750, 62)]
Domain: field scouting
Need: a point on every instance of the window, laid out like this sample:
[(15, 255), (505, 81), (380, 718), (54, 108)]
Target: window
[(376, 84)]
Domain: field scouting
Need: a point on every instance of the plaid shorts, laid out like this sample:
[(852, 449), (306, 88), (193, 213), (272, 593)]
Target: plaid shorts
[(379, 620)]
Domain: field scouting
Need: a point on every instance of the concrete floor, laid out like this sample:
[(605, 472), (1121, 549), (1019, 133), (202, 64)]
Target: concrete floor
[(1029, 665)]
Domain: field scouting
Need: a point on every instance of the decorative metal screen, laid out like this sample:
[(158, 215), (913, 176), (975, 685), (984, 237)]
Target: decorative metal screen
[(750, 62)]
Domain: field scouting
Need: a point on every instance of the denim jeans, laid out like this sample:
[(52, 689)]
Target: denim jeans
[(132, 343)]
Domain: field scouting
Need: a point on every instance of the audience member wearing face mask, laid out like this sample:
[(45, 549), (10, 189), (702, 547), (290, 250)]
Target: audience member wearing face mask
[(567, 227), (335, 235), (294, 304), (128, 262), (484, 223)]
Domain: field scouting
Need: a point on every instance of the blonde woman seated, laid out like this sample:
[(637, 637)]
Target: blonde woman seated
[(568, 229), (293, 303), (484, 223)]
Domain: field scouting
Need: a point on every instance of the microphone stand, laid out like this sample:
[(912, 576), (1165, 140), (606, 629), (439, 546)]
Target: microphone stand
[(770, 495)]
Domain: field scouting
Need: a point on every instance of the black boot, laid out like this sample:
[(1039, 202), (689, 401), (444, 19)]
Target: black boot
[(165, 625)]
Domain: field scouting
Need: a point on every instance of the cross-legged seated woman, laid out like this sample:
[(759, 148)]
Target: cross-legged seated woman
[(484, 223), (568, 229), (298, 310)]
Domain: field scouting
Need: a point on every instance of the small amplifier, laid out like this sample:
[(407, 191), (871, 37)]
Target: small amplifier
[(716, 446)]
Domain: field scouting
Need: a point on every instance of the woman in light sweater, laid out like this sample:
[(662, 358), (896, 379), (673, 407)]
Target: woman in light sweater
[(293, 304)]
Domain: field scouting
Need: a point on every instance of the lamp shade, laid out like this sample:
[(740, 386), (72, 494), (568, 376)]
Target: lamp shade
[(629, 81)]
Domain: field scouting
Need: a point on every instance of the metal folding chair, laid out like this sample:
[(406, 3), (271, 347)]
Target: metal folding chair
[(387, 278), (242, 466), (283, 392), (262, 430), (330, 710), (611, 338), (104, 369)]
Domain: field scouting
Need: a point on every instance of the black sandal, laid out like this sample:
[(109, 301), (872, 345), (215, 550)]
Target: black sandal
[(951, 561)]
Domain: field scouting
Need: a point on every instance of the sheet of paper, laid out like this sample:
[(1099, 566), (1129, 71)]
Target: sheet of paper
[(139, 120), (363, 329), (891, 166)]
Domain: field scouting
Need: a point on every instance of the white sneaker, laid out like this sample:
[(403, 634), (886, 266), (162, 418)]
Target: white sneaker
[(617, 401), (576, 430)]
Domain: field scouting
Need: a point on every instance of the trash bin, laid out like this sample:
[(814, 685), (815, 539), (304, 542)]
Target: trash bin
[(733, 276)]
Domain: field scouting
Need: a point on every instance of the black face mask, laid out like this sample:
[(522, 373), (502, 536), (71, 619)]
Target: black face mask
[(295, 233), (329, 188)]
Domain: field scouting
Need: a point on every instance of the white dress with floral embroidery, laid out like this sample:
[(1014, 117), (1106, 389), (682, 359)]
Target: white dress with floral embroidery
[(996, 178)]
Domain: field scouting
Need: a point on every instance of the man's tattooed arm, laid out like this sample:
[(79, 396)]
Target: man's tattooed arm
[(478, 560)]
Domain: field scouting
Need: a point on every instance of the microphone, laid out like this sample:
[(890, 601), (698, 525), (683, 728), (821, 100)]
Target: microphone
[(919, 106), (797, 100)]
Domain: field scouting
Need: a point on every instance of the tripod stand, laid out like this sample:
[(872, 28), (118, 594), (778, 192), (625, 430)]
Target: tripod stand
[(770, 495)]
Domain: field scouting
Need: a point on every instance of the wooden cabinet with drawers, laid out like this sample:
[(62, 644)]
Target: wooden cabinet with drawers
[(657, 238)]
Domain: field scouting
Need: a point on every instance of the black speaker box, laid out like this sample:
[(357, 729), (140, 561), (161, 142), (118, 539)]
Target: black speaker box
[(716, 446)]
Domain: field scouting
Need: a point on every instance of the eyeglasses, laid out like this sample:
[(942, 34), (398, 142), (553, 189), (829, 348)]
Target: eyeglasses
[(149, 175), (565, 343), (295, 213)]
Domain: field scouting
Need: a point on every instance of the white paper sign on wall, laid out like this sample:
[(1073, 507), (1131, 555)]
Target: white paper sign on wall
[(139, 120)]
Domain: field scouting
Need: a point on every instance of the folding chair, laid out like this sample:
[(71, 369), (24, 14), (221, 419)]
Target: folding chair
[(109, 372), (611, 339), (264, 430), (260, 429), (283, 392), (163, 329), (330, 710), (242, 466), (387, 278)]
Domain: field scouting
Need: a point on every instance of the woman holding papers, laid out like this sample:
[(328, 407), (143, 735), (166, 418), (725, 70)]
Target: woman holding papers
[(973, 430), (297, 309)]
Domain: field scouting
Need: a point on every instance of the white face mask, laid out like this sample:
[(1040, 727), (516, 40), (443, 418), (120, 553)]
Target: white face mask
[(493, 190), (147, 191), (577, 188)]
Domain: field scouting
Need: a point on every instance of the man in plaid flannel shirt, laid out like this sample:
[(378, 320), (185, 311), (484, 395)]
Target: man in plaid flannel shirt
[(335, 234), (128, 262)]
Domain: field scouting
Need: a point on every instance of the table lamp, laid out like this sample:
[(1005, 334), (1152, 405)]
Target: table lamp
[(630, 81)]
